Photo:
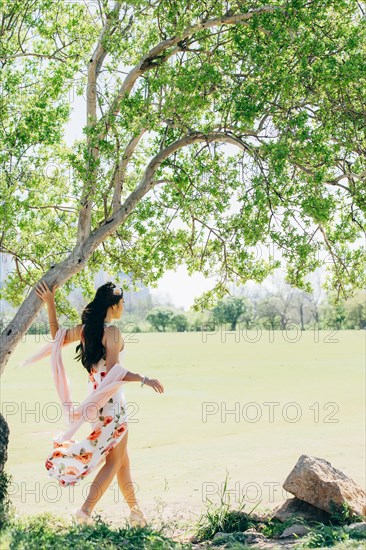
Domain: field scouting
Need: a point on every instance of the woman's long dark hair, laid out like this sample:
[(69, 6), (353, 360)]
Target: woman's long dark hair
[(93, 320)]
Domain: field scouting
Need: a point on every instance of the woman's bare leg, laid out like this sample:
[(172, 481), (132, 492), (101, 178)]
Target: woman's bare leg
[(104, 477), (125, 481)]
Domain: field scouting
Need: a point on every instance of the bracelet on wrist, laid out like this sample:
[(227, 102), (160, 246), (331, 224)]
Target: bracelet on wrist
[(144, 380)]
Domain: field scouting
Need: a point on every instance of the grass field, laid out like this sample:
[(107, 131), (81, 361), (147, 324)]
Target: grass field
[(315, 384)]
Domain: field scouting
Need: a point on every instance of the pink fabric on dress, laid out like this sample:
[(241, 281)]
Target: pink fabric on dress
[(76, 415)]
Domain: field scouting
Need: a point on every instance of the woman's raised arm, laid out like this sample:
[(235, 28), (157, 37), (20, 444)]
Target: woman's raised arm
[(45, 294), (73, 334)]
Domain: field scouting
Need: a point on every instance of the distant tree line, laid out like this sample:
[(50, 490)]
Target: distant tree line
[(281, 309)]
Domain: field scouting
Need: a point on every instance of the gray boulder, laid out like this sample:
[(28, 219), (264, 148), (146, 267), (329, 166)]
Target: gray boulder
[(317, 482)]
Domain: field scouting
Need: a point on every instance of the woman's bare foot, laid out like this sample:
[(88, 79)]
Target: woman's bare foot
[(86, 510), (137, 518), (83, 517)]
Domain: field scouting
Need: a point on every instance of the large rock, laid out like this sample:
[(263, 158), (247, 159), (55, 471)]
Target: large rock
[(317, 482), (296, 507)]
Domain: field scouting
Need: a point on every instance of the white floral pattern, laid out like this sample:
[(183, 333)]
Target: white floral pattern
[(72, 460)]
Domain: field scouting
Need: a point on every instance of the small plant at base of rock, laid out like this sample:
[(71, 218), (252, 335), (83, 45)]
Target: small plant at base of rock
[(342, 514), (221, 518), (324, 535), (274, 527)]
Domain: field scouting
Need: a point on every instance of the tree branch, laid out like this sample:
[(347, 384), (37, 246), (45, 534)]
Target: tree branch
[(147, 181), (155, 56), (120, 171), (95, 64)]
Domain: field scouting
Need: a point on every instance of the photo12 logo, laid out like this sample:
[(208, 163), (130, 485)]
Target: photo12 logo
[(253, 412)]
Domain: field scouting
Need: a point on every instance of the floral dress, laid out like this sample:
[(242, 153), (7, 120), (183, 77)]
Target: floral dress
[(71, 461)]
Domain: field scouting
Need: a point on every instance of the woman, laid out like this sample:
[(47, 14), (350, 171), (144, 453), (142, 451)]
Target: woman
[(99, 350)]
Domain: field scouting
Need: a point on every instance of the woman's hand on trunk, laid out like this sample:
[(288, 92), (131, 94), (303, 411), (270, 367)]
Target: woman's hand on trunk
[(44, 293)]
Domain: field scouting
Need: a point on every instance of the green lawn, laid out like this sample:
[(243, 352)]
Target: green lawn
[(176, 457)]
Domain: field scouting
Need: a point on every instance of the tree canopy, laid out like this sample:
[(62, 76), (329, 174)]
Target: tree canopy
[(212, 128)]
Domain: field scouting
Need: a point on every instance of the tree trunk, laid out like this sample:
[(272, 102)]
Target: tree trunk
[(283, 322), (31, 306), (4, 439), (302, 316)]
